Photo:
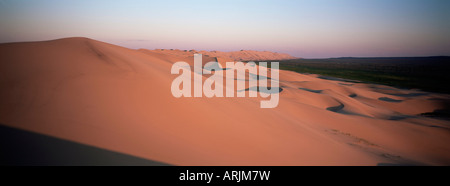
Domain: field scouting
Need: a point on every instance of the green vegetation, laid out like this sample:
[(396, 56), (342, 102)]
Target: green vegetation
[(426, 73)]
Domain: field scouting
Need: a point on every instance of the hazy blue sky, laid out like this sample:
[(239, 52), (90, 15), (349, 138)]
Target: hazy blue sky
[(314, 28)]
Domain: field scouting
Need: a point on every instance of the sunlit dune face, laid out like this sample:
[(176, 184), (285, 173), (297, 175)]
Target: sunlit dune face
[(120, 99)]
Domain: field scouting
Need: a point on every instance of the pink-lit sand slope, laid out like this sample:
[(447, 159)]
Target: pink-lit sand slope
[(120, 99)]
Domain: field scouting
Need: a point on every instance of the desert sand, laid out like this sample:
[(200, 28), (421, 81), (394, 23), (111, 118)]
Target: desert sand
[(119, 99), (243, 55)]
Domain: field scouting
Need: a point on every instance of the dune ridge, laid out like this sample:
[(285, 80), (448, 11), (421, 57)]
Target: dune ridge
[(243, 55), (119, 99)]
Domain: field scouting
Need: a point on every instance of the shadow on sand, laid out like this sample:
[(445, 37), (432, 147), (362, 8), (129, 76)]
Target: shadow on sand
[(390, 100), (267, 90), (23, 148), (310, 90)]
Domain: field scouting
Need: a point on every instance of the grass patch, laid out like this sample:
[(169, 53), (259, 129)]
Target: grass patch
[(426, 73)]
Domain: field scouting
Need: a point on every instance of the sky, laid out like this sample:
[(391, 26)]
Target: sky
[(302, 28)]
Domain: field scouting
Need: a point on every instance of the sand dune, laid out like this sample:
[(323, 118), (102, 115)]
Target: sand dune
[(243, 55), (119, 99)]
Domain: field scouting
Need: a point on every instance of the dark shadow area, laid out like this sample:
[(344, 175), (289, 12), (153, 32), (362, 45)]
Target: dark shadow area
[(441, 114), (23, 148), (346, 84), (310, 90), (258, 77), (400, 117), (336, 108), (267, 90), (390, 100), (352, 95), (254, 77), (338, 79), (411, 94)]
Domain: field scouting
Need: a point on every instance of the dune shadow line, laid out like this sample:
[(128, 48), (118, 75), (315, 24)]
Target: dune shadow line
[(267, 90), (22, 148), (390, 100)]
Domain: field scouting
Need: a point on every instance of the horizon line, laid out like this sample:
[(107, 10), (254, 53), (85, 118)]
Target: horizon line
[(296, 57)]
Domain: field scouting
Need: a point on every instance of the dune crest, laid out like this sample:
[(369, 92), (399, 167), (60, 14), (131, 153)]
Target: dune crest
[(243, 55), (116, 98)]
